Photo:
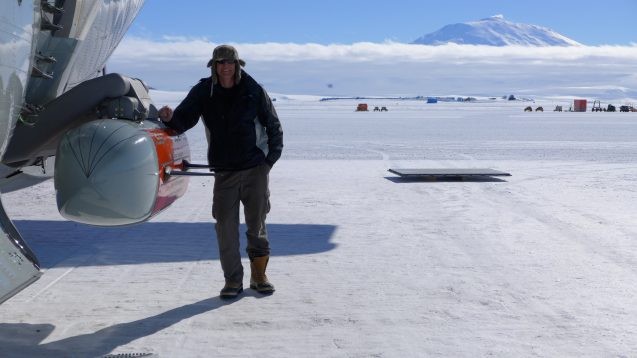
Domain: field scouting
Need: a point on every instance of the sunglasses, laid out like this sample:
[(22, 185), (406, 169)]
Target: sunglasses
[(224, 62)]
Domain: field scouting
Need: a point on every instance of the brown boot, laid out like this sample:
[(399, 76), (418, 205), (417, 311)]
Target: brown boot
[(258, 279)]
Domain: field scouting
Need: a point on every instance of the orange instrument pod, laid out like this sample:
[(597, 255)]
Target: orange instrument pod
[(172, 149)]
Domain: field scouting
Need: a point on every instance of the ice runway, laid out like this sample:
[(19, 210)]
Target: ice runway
[(542, 263)]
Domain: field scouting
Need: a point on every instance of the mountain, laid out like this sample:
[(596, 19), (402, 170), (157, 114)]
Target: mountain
[(496, 31)]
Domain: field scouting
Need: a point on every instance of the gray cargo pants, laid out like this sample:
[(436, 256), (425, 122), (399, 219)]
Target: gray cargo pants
[(249, 187)]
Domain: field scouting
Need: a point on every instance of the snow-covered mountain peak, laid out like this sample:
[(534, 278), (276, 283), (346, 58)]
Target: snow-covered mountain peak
[(496, 31), (495, 17)]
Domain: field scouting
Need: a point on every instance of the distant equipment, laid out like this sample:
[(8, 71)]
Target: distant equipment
[(611, 108), (528, 109), (460, 173), (597, 106), (432, 100), (539, 109), (362, 107), (558, 109), (579, 105)]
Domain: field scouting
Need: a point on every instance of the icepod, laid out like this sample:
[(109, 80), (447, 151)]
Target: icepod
[(113, 172)]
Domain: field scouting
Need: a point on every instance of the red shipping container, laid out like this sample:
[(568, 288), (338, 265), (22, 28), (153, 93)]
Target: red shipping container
[(579, 105)]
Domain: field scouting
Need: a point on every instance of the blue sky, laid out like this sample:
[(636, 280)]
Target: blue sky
[(345, 22)]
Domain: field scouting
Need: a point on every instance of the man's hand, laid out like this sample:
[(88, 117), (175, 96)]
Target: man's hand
[(165, 114)]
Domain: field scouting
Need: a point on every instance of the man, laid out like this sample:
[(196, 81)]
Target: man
[(245, 140)]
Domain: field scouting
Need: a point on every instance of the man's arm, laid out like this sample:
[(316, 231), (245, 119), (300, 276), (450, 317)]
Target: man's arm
[(187, 113), (270, 121)]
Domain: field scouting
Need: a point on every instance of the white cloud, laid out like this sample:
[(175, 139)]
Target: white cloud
[(394, 68), (200, 48)]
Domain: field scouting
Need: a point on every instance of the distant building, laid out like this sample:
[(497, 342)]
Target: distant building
[(579, 105)]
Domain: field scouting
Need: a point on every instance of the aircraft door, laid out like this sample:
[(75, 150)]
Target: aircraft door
[(18, 265)]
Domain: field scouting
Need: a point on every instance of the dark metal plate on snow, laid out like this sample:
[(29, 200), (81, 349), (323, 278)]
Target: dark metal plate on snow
[(449, 172)]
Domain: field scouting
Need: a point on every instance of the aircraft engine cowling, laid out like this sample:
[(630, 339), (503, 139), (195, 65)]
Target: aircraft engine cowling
[(113, 172)]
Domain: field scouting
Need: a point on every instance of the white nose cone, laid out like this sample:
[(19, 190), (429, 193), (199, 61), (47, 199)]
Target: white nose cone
[(106, 173)]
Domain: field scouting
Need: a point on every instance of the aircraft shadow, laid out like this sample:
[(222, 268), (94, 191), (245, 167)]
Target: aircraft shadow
[(25, 340), (66, 243)]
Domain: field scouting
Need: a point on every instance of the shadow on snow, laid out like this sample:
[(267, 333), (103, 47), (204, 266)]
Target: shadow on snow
[(65, 243), (25, 340)]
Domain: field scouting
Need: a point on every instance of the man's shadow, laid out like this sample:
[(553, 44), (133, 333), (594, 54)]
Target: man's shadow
[(20, 340)]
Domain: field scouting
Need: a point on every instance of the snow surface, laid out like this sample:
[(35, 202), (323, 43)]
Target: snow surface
[(542, 263), (496, 31)]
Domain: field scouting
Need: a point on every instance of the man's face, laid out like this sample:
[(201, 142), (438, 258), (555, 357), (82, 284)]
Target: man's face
[(225, 69)]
